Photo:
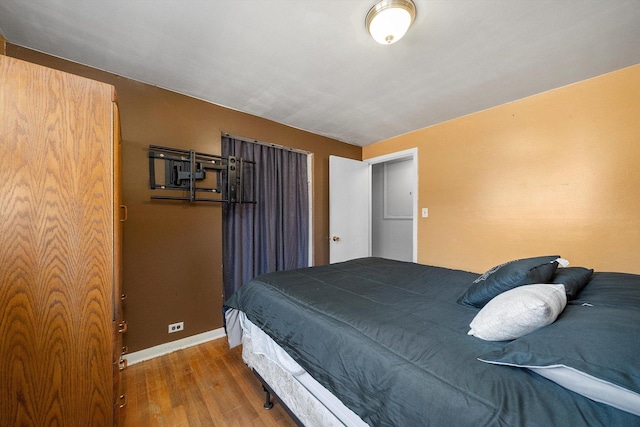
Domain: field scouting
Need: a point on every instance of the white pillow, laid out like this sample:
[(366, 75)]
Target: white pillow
[(519, 311)]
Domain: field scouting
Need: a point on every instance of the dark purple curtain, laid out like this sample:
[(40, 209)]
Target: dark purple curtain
[(272, 234)]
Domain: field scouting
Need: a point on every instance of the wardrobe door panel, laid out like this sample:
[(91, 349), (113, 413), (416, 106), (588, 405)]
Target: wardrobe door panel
[(56, 248)]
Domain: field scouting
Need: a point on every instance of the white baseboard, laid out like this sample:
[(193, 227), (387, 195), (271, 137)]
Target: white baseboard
[(170, 347)]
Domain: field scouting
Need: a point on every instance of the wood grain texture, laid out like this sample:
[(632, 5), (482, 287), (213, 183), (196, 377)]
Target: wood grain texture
[(56, 246), (205, 385)]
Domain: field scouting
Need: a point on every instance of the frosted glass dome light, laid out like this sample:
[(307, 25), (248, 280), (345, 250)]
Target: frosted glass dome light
[(389, 20)]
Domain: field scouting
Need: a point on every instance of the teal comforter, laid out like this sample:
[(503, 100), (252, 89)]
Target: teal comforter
[(390, 341)]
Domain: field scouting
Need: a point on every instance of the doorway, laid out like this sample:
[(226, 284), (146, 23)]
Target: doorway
[(350, 202), (392, 209)]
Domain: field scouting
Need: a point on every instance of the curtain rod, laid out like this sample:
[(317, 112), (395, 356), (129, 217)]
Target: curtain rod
[(268, 144)]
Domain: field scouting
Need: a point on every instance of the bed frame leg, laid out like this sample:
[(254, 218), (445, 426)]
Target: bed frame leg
[(267, 399)]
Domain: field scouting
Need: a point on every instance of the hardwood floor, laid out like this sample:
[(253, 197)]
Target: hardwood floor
[(206, 385)]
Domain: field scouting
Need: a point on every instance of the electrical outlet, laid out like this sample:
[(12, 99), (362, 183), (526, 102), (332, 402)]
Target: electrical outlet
[(176, 327)]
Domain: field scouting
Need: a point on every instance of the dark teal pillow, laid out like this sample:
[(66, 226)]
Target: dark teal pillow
[(573, 279), (507, 276), (611, 289), (596, 348)]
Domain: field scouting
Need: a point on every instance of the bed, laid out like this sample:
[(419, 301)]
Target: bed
[(387, 343)]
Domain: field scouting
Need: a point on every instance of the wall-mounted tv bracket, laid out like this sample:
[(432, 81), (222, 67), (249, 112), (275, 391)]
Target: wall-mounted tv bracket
[(184, 169)]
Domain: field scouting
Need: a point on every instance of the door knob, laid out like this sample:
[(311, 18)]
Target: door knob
[(335, 238)]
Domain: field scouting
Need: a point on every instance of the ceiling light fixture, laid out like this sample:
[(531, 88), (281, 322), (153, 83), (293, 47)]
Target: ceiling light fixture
[(388, 20)]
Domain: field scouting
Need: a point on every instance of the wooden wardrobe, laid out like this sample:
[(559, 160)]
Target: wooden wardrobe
[(60, 245)]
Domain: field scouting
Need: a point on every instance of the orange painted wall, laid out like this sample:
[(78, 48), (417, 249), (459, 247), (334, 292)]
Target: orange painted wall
[(555, 173)]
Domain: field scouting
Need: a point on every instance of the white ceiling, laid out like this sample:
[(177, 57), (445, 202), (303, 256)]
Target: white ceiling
[(311, 64)]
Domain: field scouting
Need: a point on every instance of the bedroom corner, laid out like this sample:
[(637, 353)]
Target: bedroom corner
[(554, 172)]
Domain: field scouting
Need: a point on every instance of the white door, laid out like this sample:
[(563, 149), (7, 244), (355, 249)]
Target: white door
[(349, 202)]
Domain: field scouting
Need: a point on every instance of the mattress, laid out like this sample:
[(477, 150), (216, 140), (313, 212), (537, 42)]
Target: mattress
[(313, 404)]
